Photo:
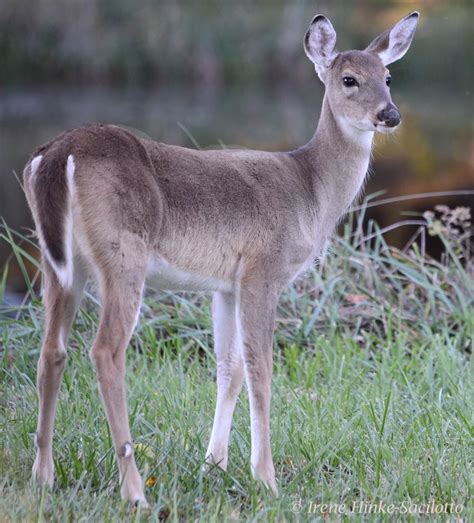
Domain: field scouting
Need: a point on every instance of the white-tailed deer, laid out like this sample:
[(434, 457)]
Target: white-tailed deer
[(239, 223)]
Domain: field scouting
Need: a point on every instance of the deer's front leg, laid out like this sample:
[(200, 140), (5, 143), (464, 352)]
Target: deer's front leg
[(256, 316), (230, 375)]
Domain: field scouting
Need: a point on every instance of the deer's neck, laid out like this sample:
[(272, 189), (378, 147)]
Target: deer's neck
[(337, 159)]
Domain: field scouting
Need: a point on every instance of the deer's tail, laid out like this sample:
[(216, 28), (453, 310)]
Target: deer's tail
[(49, 188)]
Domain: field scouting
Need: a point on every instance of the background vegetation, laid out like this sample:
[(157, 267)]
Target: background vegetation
[(211, 42), (372, 395)]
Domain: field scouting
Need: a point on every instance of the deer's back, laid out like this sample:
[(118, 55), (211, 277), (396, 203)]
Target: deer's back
[(182, 202)]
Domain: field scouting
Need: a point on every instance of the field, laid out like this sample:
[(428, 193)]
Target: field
[(372, 397)]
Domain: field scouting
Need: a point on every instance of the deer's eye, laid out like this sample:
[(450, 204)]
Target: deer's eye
[(388, 80), (349, 81)]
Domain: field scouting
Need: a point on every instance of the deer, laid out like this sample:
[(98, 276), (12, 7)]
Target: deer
[(132, 212)]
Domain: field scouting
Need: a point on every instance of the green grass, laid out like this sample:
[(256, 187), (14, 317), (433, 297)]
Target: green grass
[(372, 399)]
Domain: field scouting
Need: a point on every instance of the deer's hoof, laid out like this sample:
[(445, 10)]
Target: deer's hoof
[(132, 492), (141, 503), (215, 460), (267, 478), (43, 472)]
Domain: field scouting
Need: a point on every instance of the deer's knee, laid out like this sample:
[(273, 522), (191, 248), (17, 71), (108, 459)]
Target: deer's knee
[(258, 366), (229, 381), (100, 358), (107, 367), (52, 358)]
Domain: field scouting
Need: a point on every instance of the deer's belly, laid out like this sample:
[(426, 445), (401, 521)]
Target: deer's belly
[(163, 275)]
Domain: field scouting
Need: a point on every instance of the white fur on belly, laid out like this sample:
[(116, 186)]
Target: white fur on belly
[(162, 275)]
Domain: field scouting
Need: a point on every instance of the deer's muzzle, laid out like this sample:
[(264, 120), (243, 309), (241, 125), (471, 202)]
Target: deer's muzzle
[(390, 116)]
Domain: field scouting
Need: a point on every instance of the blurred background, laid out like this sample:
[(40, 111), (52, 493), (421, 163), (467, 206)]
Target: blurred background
[(231, 73)]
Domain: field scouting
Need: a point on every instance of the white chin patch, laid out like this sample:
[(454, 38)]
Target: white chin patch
[(386, 130)]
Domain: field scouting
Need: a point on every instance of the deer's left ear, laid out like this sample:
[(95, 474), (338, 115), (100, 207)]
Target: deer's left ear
[(394, 43)]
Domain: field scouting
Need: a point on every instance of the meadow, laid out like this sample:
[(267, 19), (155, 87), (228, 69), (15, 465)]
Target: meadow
[(372, 396)]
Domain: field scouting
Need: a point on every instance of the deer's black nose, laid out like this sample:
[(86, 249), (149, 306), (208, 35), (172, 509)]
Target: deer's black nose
[(390, 116)]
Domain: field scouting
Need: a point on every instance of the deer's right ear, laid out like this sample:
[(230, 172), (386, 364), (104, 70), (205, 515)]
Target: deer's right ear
[(320, 44)]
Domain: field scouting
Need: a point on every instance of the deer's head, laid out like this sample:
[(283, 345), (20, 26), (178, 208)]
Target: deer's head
[(358, 82)]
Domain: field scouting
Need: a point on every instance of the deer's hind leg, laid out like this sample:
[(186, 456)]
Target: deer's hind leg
[(121, 293), (60, 308)]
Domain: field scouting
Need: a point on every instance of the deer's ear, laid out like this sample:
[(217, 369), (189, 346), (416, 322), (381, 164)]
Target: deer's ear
[(394, 43), (320, 44)]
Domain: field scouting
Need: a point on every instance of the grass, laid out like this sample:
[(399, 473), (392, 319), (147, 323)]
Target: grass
[(372, 399)]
